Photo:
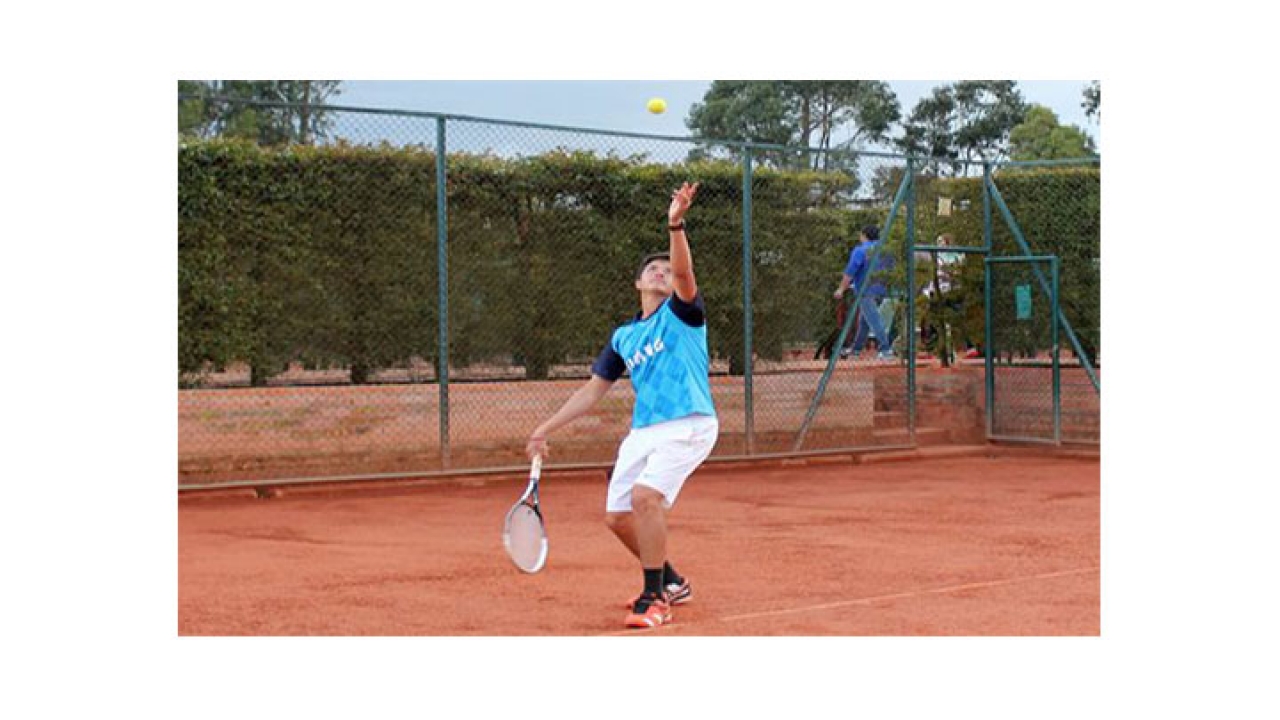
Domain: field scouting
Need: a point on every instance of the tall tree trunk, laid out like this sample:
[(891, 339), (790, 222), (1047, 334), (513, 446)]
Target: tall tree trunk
[(805, 113), (825, 126), (824, 137)]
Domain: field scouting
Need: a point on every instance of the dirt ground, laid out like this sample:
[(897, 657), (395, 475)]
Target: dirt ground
[(988, 545)]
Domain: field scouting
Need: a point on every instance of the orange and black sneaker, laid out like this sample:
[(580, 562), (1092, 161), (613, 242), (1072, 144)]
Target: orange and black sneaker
[(679, 593), (649, 611), (674, 593)]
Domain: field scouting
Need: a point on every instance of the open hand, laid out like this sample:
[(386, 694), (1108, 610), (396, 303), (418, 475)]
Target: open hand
[(681, 199)]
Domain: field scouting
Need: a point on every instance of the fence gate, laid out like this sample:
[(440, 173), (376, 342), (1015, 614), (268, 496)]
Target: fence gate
[(1023, 373)]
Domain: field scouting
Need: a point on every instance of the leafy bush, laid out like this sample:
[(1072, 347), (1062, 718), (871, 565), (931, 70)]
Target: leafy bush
[(327, 255)]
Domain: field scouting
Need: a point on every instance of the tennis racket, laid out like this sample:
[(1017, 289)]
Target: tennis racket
[(524, 534)]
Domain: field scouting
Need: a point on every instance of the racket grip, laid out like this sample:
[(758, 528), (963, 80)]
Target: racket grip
[(536, 470)]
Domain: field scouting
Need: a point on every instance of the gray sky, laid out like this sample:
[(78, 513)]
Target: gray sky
[(620, 105)]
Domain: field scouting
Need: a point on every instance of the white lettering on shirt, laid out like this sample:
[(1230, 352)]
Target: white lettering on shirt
[(643, 355)]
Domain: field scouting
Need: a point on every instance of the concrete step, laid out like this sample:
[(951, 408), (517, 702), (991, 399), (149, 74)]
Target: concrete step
[(889, 419)]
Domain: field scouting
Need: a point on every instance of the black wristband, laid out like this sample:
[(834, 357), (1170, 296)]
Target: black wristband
[(679, 226)]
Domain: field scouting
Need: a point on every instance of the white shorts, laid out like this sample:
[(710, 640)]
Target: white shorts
[(661, 457)]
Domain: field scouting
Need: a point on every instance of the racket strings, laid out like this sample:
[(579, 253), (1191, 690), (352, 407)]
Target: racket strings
[(526, 539)]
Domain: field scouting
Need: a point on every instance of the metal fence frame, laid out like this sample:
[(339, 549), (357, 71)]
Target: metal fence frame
[(904, 197), (1050, 288)]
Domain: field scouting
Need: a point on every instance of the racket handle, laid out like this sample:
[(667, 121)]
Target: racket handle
[(536, 470)]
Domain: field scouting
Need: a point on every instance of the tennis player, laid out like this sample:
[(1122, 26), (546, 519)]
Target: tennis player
[(673, 426)]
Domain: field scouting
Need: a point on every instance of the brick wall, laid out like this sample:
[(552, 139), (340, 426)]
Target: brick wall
[(251, 433)]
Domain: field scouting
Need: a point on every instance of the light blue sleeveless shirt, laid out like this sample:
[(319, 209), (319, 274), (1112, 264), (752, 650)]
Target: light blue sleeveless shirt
[(668, 361)]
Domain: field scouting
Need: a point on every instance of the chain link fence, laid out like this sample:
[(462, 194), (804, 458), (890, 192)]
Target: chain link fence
[(316, 339), (1024, 380), (1054, 209)]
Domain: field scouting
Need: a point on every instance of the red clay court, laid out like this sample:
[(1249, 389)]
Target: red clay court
[(954, 541)]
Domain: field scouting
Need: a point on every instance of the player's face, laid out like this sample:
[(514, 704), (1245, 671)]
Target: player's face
[(656, 277)]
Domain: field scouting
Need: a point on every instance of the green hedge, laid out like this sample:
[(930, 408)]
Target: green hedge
[(1058, 211), (327, 256), (306, 254)]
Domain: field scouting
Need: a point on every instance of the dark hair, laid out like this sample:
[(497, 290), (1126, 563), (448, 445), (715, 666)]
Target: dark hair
[(650, 258), (871, 231)]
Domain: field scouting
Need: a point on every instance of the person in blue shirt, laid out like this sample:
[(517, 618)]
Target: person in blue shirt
[(858, 273), (673, 424)]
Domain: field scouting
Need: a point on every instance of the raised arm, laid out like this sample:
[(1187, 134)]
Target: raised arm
[(576, 406), (682, 279)]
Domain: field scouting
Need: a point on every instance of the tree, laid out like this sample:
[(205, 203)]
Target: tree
[(225, 108), (1092, 103), (963, 123), (1042, 137), (752, 111), (785, 112), (869, 108), (195, 115)]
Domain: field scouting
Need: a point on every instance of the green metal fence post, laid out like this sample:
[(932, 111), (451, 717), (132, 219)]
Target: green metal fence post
[(748, 405), (988, 239), (1057, 374), (988, 235), (442, 277), (910, 324)]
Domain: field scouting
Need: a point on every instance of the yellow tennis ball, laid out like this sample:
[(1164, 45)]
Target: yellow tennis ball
[(657, 106)]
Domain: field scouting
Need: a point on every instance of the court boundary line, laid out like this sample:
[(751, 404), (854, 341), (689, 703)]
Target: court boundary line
[(883, 598)]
